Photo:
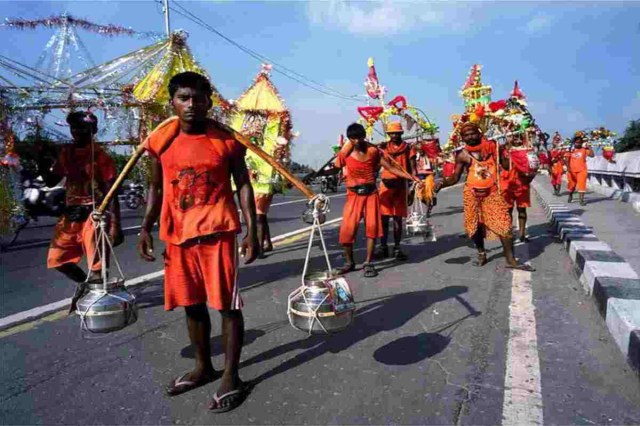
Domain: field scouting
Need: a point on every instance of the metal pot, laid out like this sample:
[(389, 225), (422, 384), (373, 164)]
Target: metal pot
[(311, 307), (103, 311)]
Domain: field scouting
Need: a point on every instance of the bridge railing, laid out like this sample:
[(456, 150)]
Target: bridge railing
[(621, 178)]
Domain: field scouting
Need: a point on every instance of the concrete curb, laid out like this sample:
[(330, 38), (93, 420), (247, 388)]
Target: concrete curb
[(606, 276)]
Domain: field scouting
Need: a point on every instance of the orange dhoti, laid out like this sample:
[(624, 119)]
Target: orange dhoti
[(577, 180), (72, 240), (491, 211), (202, 272), (356, 208), (263, 202), (393, 201), (557, 169)]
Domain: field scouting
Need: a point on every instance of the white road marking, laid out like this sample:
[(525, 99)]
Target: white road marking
[(522, 389), (40, 311)]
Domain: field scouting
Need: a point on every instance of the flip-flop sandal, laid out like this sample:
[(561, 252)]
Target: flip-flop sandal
[(235, 398), (522, 267), (179, 385), (370, 271), (348, 267)]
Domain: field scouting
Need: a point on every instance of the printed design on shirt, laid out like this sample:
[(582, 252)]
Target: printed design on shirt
[(577, 155), (482, 172), (194, 187)]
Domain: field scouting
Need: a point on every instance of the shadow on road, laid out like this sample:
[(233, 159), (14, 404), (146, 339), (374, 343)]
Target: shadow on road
[(386, 314)]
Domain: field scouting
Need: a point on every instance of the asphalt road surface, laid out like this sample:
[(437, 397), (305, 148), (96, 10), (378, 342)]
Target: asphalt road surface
[(434, 341)]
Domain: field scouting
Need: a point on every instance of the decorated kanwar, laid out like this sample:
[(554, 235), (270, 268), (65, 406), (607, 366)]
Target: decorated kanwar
[(260, 113)]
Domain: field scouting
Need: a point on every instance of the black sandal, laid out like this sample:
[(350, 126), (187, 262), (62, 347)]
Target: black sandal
[(370, 270), (399, 255), (482, 260), (348, 267)]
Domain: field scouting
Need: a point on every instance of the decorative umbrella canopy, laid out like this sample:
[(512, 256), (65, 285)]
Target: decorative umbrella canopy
[(262, 115), (261, 96)]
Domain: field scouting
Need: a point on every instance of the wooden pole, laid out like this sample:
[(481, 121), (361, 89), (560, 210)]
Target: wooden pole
[(272, 162), (237, 136), (125, 171)]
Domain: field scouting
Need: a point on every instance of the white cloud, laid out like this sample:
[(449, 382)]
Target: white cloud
[(538, 24), (384, 17)]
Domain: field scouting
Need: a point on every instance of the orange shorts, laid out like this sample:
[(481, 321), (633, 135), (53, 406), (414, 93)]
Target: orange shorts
[(517, 193), (557, 170), (393, 202), (263, 202), (577, 180), (356, 208), (202, 272), (71, 241)]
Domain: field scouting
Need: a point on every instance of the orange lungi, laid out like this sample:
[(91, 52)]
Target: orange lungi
[(557, 170), (72, 240), (492, 211), (393, 201), (577, 180), (356, 208), (202, 272), (514, 189), (263, 202)]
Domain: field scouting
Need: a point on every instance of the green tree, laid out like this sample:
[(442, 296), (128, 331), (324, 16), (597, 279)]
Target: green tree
[(630, 141)]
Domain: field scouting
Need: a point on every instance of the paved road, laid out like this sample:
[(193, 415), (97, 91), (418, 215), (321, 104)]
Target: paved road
[(27, 283), (435, 341), (615, 222)]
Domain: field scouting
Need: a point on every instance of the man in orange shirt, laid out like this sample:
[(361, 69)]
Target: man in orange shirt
[(577, 165), (393, 191), (362, 161), (89, 173), (515, 184), (486, 214), (557, 165), (193, 161)]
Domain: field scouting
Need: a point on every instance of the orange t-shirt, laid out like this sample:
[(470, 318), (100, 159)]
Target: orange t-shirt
[(578, 159), (400, 154), (361, 172), (197, 195), (75, 164)]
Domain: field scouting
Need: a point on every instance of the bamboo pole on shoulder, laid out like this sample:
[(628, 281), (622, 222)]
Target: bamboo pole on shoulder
[(237, 136)]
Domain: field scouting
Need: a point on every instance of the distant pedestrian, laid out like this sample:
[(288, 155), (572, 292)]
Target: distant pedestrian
[(577, 165), (89, 173)]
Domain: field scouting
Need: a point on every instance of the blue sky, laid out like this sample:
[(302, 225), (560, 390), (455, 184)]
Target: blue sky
[(575, 61)]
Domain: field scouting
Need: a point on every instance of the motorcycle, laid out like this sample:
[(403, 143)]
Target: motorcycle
[(38, 200), (329, 183), (134, 195)]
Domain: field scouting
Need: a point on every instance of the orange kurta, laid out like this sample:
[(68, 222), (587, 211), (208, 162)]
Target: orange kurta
[(357, 206), (199, 219), (88, 171), (557, 166), (577, 176), (393, 191)]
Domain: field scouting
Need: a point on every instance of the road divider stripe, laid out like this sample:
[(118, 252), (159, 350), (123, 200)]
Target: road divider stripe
[(522, 403)]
